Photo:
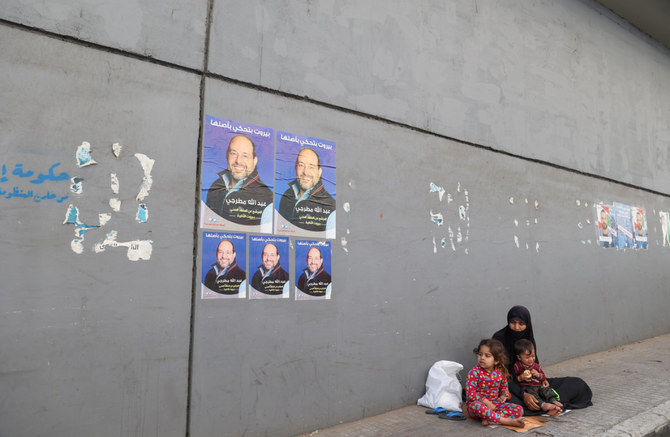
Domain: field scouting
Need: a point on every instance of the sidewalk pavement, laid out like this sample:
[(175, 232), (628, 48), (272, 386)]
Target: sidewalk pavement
[(631, 397)]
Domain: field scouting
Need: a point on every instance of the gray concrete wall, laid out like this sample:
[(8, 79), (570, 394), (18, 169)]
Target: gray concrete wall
[(526, 113)]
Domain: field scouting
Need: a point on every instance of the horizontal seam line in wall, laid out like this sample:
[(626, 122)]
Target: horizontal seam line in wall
[(100, 47), (306, 99)]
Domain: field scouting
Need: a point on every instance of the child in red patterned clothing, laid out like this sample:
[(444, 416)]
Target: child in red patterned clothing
[(486, 387), (532, 379)]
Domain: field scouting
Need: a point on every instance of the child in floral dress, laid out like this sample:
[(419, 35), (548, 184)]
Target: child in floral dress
[(486, 387)]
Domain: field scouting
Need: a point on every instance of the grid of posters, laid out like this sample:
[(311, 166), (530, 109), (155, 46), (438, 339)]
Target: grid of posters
[(256, 180), (622, 226)]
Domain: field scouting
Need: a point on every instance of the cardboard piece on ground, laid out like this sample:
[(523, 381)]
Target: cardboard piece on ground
[(531, 422)]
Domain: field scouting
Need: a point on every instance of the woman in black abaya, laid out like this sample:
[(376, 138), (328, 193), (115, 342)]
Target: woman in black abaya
[(574, 392)]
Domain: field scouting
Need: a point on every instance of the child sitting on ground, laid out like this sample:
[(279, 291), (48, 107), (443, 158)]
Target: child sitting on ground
[(532, 379), (486, 387)]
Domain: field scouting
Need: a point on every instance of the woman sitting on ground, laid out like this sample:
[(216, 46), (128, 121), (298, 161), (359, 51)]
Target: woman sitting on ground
[(573, 392)]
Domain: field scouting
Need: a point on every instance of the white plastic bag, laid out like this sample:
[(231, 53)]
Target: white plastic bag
[(443, 388)]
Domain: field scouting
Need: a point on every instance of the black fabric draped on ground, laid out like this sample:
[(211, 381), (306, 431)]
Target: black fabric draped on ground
[(573, 393)]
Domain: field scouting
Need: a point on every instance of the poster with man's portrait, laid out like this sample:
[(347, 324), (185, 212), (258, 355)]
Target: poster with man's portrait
[(269, 267), (313, 270), (237, 176), (305, 186), (607, 233), (224, 268), (640, 234)]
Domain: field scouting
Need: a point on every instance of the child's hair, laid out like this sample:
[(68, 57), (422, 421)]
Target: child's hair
[(523, 346), (498, 351)]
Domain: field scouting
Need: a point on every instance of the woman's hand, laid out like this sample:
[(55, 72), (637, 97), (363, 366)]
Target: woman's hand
[(530, 402), (545, 383)]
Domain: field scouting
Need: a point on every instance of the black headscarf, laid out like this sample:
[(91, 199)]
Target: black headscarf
[(508, 337)]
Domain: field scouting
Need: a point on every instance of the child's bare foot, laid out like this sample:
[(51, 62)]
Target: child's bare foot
[(551, 409), (510, 421), (485, 422)]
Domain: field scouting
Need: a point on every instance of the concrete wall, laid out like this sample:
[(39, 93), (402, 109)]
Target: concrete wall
[(527, 113)]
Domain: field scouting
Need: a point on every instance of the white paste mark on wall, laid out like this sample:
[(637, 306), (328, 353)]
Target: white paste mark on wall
[(588, 221), (516, 241), (526, 246), (450, 198), (77, 185), (434, 245), (115, 204), (343, 242), (586, 204), (435, 189), (578, 202), (461, 212), (346, 207), (583, 242), (114, 183), (147, 164), (142, 213), (437, 218), (348, 232), (526, 200), (352, 184), (511, 200), (443, 242), (116, 149), (83, 155), (451, 239), (537, 204), (458, 188), (466, 251), (516, 223), (77, 247), (588, 241), (459, 235), (580, 226), (535, 220), (137, 249), (104, 218)]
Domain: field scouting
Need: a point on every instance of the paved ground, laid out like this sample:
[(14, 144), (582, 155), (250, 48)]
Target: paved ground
[(631, 397)]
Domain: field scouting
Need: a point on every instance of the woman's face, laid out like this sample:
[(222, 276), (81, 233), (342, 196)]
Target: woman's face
[(517, 325)]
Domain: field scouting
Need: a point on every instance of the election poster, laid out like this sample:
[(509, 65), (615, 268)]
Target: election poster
[(313, 270), (624, 226), (305, 197), (607, 233), (665, 227), (223, 265), (270, 257), (237, 176), (640, 234)]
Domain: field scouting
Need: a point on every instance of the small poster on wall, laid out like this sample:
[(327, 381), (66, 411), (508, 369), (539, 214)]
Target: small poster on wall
[(313, 270), (270, 279), (607, 233), (624, 226), (665, 227), (639, 227), (224, 269)]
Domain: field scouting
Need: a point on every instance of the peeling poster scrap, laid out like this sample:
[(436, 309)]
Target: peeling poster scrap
[(435, 189)]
